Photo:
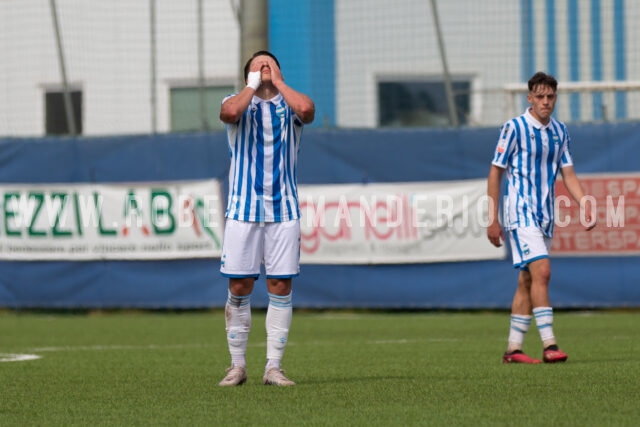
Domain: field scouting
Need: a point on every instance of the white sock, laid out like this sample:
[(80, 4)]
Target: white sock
[(544, 320), (519, 327), (272, 364), (277, 323), (238, 324)]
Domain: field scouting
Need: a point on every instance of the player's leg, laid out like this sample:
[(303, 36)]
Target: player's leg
[(241, 255), (237, 325), (539, 266), (540, 270), (520, 318), (520, 312), (542, 311), (277, 323), (519, 321), (282, 256)]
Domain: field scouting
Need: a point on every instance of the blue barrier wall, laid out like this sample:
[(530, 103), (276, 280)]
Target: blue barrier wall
[(326, 156)]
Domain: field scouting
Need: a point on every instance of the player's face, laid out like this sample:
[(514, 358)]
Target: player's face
[(543, 101), (261, 63)]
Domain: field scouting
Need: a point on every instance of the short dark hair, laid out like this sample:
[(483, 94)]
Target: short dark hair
[(542, 79), (247, 66)]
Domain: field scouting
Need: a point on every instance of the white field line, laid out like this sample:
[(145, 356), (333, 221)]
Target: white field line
[(15, 357), (10, 357), (99, 347)]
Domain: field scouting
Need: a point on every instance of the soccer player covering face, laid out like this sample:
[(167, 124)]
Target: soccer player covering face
[(264, 124), (531, 150)]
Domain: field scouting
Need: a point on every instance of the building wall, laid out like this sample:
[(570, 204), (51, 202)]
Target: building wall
[(107, 48), (377, 40), (337, 51), (493, 42)]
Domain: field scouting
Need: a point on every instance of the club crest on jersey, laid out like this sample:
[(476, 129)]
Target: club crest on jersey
[(280, 111), (556, 139)]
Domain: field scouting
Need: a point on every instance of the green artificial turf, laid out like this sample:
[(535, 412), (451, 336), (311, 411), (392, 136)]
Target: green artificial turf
[(351, 368)]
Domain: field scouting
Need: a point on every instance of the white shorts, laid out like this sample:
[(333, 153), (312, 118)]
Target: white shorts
[(247, 245), (527, 245)]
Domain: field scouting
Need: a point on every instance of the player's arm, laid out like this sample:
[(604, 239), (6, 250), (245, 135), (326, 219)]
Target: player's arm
[(300, 103), (572, 183), (234, 107), (494, 230)]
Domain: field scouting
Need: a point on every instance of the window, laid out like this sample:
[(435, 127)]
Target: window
[(185, 108), (56, 114), (421, 102)]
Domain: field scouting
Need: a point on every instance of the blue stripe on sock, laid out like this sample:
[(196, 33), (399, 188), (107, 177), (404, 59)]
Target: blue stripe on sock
[(282, 301), (238, 300)]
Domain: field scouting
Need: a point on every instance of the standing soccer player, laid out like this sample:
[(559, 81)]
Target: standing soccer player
[(264, 124), (532, 148)]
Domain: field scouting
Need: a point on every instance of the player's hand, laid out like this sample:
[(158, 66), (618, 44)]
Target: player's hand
[(590, 222), (276, 74), (254, 79), (495, 234)]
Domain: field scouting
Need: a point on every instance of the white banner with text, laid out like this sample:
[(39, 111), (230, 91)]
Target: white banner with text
[(141, 221), (395, 223)]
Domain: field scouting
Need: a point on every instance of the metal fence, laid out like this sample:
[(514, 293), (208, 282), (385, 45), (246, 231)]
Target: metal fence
[(130, 67)]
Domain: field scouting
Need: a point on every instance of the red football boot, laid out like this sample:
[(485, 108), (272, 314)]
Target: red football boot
[(518, 356), (553, 354)]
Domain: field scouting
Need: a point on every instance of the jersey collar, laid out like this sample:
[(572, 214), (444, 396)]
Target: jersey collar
[(275, 100), (534, 122)]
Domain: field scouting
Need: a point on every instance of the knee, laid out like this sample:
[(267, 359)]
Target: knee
[(544, 274), (279, 286), (542, 277), (540, 272), (241, 287)]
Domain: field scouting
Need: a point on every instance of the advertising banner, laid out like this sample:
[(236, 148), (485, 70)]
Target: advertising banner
[(141, 221), (616, 204), (395, 223)]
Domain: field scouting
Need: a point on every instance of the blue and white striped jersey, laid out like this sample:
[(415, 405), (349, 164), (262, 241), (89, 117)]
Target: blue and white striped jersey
[(263, 146), (532, 154)]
